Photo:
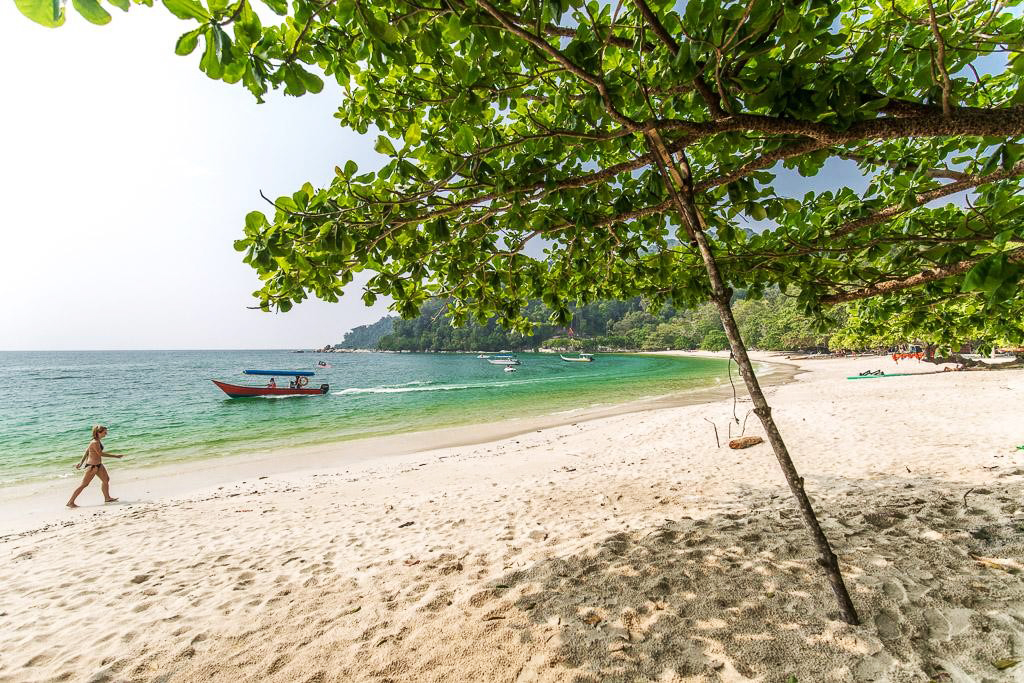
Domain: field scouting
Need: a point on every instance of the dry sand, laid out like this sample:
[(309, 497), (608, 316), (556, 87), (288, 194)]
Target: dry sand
[(627, 548)]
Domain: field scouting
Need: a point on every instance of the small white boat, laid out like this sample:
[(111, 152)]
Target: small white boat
[(583, 358), (503, 360), (509, 368), (483, 355)]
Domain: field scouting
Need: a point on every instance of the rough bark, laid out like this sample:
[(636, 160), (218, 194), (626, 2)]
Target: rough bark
[(679, 185), (974, 364)]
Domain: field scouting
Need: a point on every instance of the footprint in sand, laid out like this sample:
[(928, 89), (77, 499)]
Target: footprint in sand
[(895, 590), (948, 624), (887, 625), (38, 660), (939, 627)]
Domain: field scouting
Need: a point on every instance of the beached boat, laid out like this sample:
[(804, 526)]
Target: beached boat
[(583, 358), (299, 385)]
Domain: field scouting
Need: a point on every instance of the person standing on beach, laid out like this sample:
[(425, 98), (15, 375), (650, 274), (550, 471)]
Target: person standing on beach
[(93, 461)]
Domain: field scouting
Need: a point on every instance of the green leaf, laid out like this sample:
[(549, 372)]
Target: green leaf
[(122, 5), (212, 55), (292, 81), (351, 168), (280, 7), (187, 9), (235, 70), (311, 82), (412, 135), (381, 31), (49, 13), (255, 221), (91, 10), (188, 41), (453, 30), (465, 141), (248, 29), (384, 146), (989, 274)]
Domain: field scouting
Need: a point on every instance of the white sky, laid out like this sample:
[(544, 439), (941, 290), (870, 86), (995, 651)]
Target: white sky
[(125, 177)]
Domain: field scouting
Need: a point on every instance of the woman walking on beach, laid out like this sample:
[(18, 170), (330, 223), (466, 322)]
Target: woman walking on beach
[(93, 460)]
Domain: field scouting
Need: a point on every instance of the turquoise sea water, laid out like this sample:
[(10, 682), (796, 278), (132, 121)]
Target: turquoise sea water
[(161, 407)]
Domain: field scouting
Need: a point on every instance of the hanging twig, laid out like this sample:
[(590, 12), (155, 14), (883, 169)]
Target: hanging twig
[(717, 442), (745, 421), (734, 399)]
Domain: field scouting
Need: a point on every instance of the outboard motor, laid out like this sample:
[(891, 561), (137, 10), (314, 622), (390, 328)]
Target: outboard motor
[(324, 388)]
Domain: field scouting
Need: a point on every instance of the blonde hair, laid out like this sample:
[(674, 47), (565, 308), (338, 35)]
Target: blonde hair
[(96, 431)]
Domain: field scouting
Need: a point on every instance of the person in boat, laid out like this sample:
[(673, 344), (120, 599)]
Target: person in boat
[(272, 384), (93, 461), (291, 384)]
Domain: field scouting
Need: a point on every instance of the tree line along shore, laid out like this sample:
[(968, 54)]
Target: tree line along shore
[(773, 321)]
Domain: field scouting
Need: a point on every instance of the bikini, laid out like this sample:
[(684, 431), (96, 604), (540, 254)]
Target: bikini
[(99, 464)]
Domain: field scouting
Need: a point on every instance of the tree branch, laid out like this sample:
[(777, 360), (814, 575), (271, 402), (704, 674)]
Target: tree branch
[(890, 212), (569, 65), (890, 286), (940, 62)]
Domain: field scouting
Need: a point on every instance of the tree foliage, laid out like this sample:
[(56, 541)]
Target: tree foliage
[(945, 325), (509, 121)]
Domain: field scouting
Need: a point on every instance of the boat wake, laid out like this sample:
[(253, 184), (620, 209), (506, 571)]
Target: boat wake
[(410, 387)]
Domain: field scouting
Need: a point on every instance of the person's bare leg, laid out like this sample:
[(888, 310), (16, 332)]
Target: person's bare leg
[(90, 472), (105, 478)]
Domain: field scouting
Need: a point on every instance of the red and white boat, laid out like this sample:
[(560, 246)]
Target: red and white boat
[(299, 385)]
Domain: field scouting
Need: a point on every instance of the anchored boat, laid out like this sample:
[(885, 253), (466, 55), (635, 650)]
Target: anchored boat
[(296, 385), (504, 359), (583, 358)]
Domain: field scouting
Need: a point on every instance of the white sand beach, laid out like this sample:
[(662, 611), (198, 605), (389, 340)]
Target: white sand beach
[(623, 548)]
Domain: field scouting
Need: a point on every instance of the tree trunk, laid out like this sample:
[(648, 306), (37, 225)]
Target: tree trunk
[(680, 187), (965, 363)]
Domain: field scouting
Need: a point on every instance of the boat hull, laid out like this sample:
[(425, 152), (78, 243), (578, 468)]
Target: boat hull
[(577, 360), (238, 391)]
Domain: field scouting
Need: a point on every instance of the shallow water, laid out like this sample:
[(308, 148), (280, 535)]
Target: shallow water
[(161, 407)]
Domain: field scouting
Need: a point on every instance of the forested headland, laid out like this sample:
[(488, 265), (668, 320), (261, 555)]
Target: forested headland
[(368, 336), (770, 322)]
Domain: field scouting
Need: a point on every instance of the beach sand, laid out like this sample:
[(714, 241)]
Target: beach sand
[(624, 548)]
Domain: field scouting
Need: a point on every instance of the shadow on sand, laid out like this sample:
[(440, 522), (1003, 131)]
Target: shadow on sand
[(737, 596)]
